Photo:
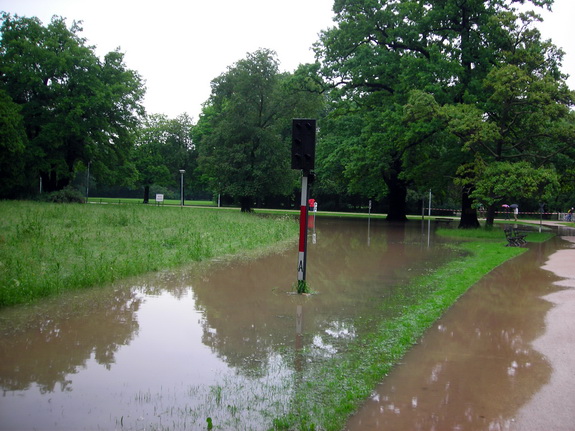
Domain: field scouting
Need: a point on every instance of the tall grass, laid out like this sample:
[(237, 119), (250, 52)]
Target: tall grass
[(48, 248)]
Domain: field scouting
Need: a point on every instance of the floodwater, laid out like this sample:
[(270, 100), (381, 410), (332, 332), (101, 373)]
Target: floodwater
[(477, 366), (220, 340)]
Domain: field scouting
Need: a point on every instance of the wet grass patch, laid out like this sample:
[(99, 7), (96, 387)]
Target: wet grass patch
[(46, 249)]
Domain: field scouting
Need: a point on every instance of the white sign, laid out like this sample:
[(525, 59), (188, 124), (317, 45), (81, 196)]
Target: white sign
[(159, 198)]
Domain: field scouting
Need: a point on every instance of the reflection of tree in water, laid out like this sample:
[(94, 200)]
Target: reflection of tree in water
[(60, 335), (249, 314)]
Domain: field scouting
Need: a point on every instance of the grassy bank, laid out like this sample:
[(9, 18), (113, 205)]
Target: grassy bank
[(330, 393), (48, 248)]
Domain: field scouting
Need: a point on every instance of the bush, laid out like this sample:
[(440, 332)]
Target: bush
[(66, 195)]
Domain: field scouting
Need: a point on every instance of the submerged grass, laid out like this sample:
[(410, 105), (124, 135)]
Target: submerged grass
[(331, 392), (46, 248)]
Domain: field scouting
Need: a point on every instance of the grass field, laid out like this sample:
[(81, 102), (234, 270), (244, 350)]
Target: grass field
[(48, 248), (176, 202)]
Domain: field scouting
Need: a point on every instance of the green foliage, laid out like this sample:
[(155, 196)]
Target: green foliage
[(12, 145), (243, 133), (163, 147), (74, 107), (503, 181), (67, 195), (436, 86), (302, 287)]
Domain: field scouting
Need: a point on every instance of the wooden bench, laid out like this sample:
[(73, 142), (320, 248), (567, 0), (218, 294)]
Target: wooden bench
[(514, 238)]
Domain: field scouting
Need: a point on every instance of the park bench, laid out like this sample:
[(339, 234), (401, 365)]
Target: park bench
[(514, 237)]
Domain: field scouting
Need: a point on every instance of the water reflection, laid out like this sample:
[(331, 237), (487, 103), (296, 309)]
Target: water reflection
[(222, 341), (477, 366), (44, 345)]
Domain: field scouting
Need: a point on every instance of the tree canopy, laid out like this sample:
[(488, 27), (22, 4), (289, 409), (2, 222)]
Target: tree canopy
[(164, 147), (436, 86), (462, 97), (243, 133), (74, 107)]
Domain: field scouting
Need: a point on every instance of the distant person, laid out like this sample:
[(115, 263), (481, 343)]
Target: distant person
[(515, 212), (570, 214), (311, 204)]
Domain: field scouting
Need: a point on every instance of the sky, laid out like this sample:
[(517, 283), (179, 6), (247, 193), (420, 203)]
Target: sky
[(179, 46)]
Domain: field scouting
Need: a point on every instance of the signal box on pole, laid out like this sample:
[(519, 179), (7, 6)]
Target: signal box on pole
[(303, 144)]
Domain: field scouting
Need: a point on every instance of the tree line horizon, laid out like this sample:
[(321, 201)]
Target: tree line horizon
[(466, 99)]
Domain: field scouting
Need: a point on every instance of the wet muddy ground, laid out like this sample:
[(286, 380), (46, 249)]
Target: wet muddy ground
[(169, 350)]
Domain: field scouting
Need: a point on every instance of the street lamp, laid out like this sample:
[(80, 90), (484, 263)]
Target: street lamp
[(88, 181), (182, 172)]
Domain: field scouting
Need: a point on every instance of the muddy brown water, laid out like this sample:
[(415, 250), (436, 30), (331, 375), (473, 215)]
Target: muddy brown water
[(476, 367), (169, 350)]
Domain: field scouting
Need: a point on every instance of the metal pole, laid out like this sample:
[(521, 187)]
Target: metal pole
[(301, 264), (429, 211), (423, 208), (88, 181), (182, 171)]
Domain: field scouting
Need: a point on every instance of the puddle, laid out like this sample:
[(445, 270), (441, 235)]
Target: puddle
[(477, 365), (169, 350)]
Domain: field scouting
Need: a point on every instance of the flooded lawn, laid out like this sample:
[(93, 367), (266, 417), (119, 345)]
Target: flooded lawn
[(220, 341)]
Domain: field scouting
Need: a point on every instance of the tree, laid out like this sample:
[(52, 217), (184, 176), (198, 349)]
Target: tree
[(75, 108), (521, 127), (505, 181), (381, 51), (12, 145), (244, 131), (164, 146)]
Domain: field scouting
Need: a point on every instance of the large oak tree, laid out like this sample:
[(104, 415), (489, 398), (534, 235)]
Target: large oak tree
[(404, 67)]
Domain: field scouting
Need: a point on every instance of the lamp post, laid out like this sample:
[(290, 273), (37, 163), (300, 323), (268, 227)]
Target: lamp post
[(88, 181), (182, 172)]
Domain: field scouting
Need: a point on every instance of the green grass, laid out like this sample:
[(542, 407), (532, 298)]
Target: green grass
[(493, 233), (46, 249), (333, 391), (177, 202)]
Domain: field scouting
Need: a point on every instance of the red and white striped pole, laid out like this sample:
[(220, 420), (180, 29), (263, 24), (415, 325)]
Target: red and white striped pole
[(303, 157), (302, 230)]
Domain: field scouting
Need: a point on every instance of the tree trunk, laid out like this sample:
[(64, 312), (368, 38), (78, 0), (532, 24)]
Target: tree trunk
[(52, 183), (397, 199), (468, 213), (146, 194), (246, 204), (490, 218)]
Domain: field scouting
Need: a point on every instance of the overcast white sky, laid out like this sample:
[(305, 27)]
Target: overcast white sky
[(179, 46)]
